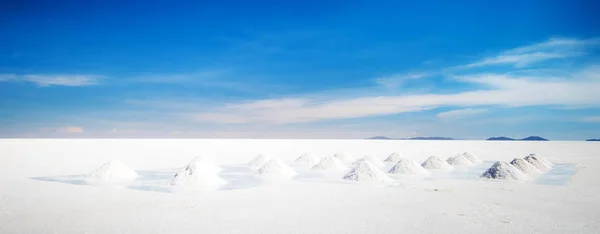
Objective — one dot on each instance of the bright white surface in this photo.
(442, 202)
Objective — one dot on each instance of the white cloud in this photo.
(591, 119)
(396, 80)
(461, 113)
(519, 60)
(48, 80)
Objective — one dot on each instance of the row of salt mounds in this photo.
(344, 158)
(373, 160)
(472, 158)
(459, 160)
(275, 169)
(393, 158)
(258, 162)
(539, 162)
(525, 167)
(199, 173)
(505, 171)
(330, 163)
(407, 166)
(436, 163)
(365, 171)
(111, 172)
(307, 159)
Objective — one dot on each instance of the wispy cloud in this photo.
(461, 113)
(590, 119)
(49, 80)
(397, 80)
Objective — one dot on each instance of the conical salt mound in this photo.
(539, 162)
(525, 167)
(258, 162)
(407, 166)
(111, 172)
(472, 158)
(436, 163)
(199, 173)
(366, 172)
(504, 171)
(459, 160)
(393, 158)
(344, 158)
(330, 163)
(307, 159)
(373, 160)
(276, 169)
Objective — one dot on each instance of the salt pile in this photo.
(539, 162)
(111, 172)
(199, 173)
(307, 159)
(276, 169)
(436, 163)
(366, 172)
(393, 158)
(472, 158)
(407, 166)
(525, 167)
(345, 159)
(330, 163)
(504, 171)
(258, 162)
(459, 160)
(373, 160)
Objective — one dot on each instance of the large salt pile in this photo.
(373, 160)
(393, 158)
(539, 162)
(407, 166)
(504, 171)
(344, 158)
(199, 173)
(365, 171)
(471, 157)
(307, 159)
(111, 172)
(459, 160)
(258, 162)
(276, 169)
(330, 163)
(436, 163)
(525, 167)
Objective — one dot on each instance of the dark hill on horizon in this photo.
(529, 138)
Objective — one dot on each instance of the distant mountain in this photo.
(500, 139)
(592, 140)
(430, 138)
(379, 138)
(534, 138)
(529, 138)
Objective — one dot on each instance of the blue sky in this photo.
(305, 69)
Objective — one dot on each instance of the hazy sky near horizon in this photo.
(303, 69)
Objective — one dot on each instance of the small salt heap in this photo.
(330, 163)
(504, 171)
(111, 172)
(258, 162)
(373, 160)
(459, 160)
(472, 158)
(436, 163)
(407, 166)
(201, 172)
(366, 172)
(393, 158)
(525, 167)
(344, 158)
(276, 169)
(307, 159)
(539, 162)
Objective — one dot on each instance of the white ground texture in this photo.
(526, 167)
(111, 172)
(307, 159)
(505, 171)
(459, 160)
(471, 157)
(276, 169)
(43, 189)
(259, 161)
(330, 163)
(436, 163)
(408, 166)
(393, 158)
(365, 171)
(200, 173)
